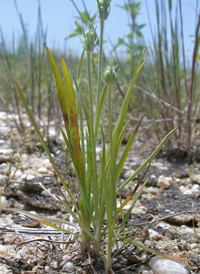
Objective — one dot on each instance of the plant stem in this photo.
(112, 199)
(92, 141)
(100, 61)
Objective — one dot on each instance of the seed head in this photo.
(103, 9)
(89, 40)
(111, 75)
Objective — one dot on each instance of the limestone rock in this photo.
(165, 182)
(163, 266)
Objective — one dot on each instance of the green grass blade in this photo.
(167, 137)
(41, 138)
(121, 136)
(61, 92)
(99, 110)
(130, 209)
(123, 111)
(80, 64)
(73, 119)
(127, 149)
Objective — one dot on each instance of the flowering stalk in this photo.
(110, 76)
(103, 7)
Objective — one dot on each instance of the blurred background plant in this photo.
(133, 42)
(27, 59)
(168, 87)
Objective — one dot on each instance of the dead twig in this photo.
(45, 240)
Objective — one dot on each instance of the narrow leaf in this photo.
(73, 119)
(99, 110)
(61, 92)
(42, 139)
(127, 149)
(167, 137)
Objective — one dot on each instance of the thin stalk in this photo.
(27, 53)
(183, 47)
(100, 61)
(92, 140)
(112, 182)
(111, 146)
(159, 31)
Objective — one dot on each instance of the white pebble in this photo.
(42, 170)
(33, 212)
(195, 188)
(68, 266)
(193, 246)
(6, 151)
(18, 173)
(22, 253)
(3, 177)
(182, 189)
(162, 225)
(26, 177)
(187, 192)
(163, 266)
(4, 202)
(153, 234)
(3, 250)
(189, 230)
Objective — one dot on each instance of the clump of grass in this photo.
(97, 185)
(171, 90)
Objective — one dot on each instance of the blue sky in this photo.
(59, 15)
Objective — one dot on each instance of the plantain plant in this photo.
(96, 206)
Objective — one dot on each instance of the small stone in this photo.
(3, 116)
(154, 235)
(183, 189)
(187, 192)
(54, 264)
(195, 188)
(25, 157)
(4, 269)
(46, 267)
(3, 177)
(195, 178)
(153, 190)
(194, 245)
(23, 252)
(163, 266)
(68, 266)
(26, 177)
(161, 224)
(9, 239)
(6, 151)
(4, 202)
(18, 174)
(165, 182)
(42, 170)
(3, 250)
(189, 230)
(147, 242)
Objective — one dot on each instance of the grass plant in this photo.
(96, 200)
